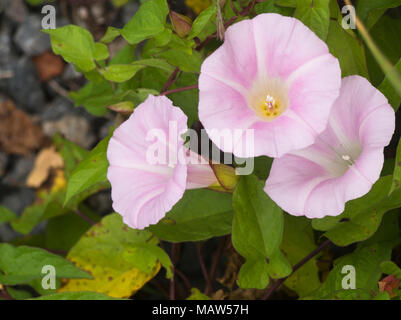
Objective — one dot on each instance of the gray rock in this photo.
(3, 163)
(73, 127)
(24, 87)
(6, 52)
(15, 10)
(70, 73)
(29, 37)
(21, 167)
(16, 199)
(57, 109)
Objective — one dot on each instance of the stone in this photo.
(6, 52)
(21, 167)
(73, 127)
(24, 87)
(70, 73)
(15, 10)
(57, 109)
(29, 37)
(16, 199)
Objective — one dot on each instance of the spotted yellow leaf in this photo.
(121, 260)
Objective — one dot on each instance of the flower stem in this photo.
(279, 282)
(165, 93)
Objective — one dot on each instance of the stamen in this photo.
(348, 159)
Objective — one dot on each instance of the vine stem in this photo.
(5, 295)
(84, 217)
(279, 282)
(203, 266)
(171, 80)
(174, 260)
(165, 93)
(215, 263)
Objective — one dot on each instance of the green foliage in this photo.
(84, 295)
(362, 216)
(257, 234)
(366, 259)
(347, 49)
(90, 174)
(6, 215)
(315, 14)
(120, 259)
(114, 261)
(148, 21)
(77, 46)
(197, 295)
(23, 264)
(298, 242)
(199, 215)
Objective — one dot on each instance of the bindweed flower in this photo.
(346, 159)
(272, 75)
(149, 166)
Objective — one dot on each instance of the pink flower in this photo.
(346, 159)
(272, 75)
(143, 190)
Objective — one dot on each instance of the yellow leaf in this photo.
(113, 282)
(121, 260)
(46, 160)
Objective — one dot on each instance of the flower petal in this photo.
(143, 192)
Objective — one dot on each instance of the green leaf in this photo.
(188, 99)
(397, 170)
(197, 295)
(23, 264)
(387, 35)
(271, 7)
(120, 72)
(71, 153)
(48, 206)
(111, 34)
(18, 294)
(257, 234)
(202, 20)
(156, 63)
(298, 242)
(186, 62)
(199, 215)
(64, 231)
(95, 97)
(75, 44)
(361, 216)
(254, 273)
(120, 259)
(366, 260)
(315, 14)
(6, 215)
(389, 267)
(90, 172)
(101, 51)
(348, 50)
(83, 295)
(148, 21)
(386, 87)
(364, 8)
